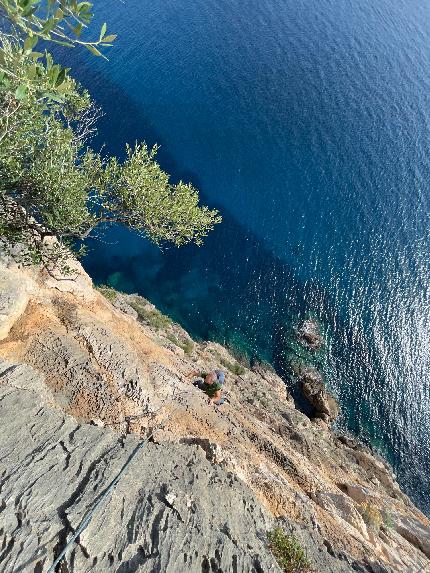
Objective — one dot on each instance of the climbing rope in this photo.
(86, 520)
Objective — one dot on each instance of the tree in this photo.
(54, 189)
(61, 21)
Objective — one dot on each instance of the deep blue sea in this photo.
(307, 123)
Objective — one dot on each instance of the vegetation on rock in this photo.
(150, 315)
(372, 516)
(108, 292)
(288, 552)
(234, 367)
(186, 344)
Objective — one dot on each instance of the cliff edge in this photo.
(84, 379)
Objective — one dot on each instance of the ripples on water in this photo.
(307, 123)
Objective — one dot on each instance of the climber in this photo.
(211, 383)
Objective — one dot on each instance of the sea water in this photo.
(307, 123)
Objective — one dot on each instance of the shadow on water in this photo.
(232, 290)
(235, 291)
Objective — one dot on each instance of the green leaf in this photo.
(78, 29)
(31, 71)
(54, 73)
(84, 6)
(110, 38)
(61, 43)
(21, 92)
(103, 30)
(30, 43)
(29, 11)
(48, 26)
(93, 50)
(54, 97)
(49, 61)
(61, 77)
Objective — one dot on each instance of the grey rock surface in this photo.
(14, 293)
(172, 511)
(415, 532)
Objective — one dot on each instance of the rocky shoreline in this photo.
(85, 375)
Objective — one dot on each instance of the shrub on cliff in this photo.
(151, 316)
(54, 189)
(371, 515)
(289, 554)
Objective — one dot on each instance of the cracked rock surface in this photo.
(172, 511)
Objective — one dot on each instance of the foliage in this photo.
(108, 292)
(54, 190)
(234, 367)
(138, 194)
(289, 554)
(371, 515)
(64, 22)
(151, 316)
(186, 344)
(52, 185)
(387, 519)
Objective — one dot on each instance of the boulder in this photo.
(14, 296)
(313, 388)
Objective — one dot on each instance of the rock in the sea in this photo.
(314, 390)
(309, 335)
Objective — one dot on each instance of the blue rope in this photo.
(100, 500)
(86, 520)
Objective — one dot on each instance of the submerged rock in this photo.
(309, 335)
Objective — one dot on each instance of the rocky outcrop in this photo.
(83, 380)
(14, 296)
(314, 390)
(415, 532)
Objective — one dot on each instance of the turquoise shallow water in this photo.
(307, 123)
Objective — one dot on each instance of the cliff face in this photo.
(83, 379)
